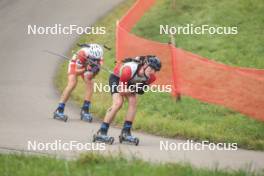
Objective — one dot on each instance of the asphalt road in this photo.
(28, 96)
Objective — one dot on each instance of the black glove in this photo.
(140, 92)
(140, 88)
(95, 69)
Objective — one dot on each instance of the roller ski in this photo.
(86, 116)
(126, 136)
(102, 137)
(59, 115)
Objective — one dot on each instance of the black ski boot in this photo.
(59, 115)
(86, 116)
(101, 136)
(126, 136)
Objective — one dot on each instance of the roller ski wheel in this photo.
(128, 138)
(60, 116)
(85, 116)
(103, 138)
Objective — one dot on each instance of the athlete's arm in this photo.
(125, 75)
(80, 62)
(151, 79)
(140, 89)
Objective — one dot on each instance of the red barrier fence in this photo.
(241, 89)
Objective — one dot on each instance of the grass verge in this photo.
(94, 164)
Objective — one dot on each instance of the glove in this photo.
(140, 88)
(140, 91)
(95, 69)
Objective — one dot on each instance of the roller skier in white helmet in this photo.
(85, 63)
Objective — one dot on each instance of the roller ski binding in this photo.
(126, 136)
(86, 116)
(59, 115)
(102, 137)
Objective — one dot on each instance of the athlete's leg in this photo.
(116, 106)
(111, 112)
(88, 79)
(72, 82)
(132, 107)
(117, 102)
(131, 112)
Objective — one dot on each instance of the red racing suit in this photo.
(128, 75)
(81, 60)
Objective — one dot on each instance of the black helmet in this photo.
(154, 62)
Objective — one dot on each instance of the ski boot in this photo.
(102, 137)
(59, 115)
(126, 136)
(86, 116)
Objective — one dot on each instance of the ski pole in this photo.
(65, 57)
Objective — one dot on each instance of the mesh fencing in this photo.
(238, 88)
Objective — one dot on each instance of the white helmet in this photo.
(95, 51)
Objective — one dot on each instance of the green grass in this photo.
(94, 164)
(158, 113)
(245, 49)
